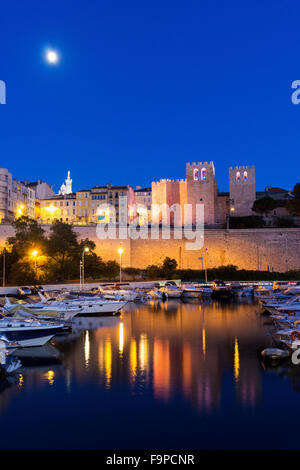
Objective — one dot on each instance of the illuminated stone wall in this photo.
(277, 249)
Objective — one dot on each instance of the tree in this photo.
(264, 205)
(169, 267)
(64, 250)
(293, 204)
(153, 272)
(20, 265)
(28, 236)
(112, 269)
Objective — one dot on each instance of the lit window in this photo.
(238, 176)
(196, 174)
(203, 174)
(245, 176)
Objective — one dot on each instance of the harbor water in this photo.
(163, 375)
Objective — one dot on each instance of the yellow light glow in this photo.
(20, 210)
(236, 360)
(34, 253)
(133, 357)
(203, 342)
(86, 249)
(50, 377)
(107, 361)
(51, 209)
(121, 338)
(143, 352)
(87, 349)
(232, 209)
(121, 250)
(21, 380)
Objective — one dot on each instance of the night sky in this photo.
(142, 87)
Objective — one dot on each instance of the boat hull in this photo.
(26, 337)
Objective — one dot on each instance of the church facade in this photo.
(200, 187)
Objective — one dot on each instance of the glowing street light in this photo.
(20, 210)
(120, 251)
(86, 250)
(34, 254)
(51, 209)
(3, 280)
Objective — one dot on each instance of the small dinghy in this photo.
(274, 355)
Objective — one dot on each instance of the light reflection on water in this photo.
(171, 365)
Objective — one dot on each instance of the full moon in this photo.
(52, 57)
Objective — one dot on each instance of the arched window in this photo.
(196, 174)
(203, 174)
(245, 176)
(238, 176)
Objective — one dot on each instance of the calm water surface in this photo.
(168, 375)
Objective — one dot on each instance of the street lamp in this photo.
(121, 251)
(86, 250)
(205, 263)
(3, 252)
(34, 255)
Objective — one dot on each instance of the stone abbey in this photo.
(200, 187)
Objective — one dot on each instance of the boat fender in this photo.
(294, 334)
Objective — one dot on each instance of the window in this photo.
(196, 174)
(238, 176)
(245, 176)
(203, 174)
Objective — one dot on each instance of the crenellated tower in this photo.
(242, 190)
(202, 189)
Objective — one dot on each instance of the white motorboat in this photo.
(191, 290)
(154, 294)
(70, 308)
(116, 293)
(23, 333)
(204, 288)
(291, 305)
(171, 291)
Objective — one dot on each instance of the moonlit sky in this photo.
(143, 87)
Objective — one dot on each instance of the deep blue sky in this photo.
(145, 86)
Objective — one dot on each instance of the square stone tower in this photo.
(242, 190)
(202, 189)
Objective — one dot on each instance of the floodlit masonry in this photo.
(200, 187)
(270, 249)
(116, 203)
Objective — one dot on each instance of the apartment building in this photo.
(107, 204)
(143, 201)
(16, 199)
(60, 207)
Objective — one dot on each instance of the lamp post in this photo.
(3, 253)
(86, 250)
(205, 264)
(34, 255)
(120, 251)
